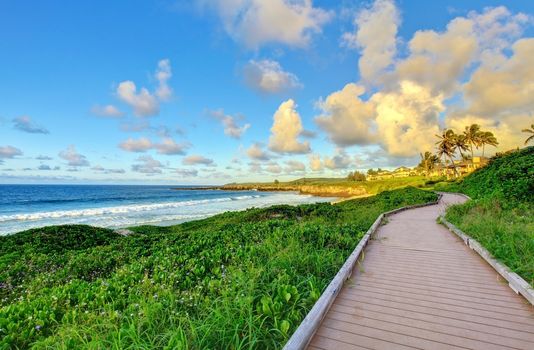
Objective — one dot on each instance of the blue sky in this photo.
(68, 111)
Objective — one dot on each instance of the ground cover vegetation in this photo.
(501, 214)
(238, 280)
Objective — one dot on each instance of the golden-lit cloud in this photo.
(346, 118)
(286, 129)
(477, 70)
(376, 37)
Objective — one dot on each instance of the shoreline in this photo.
(314, 190)
(192, 213)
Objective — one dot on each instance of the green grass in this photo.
(239, 280)
(371, 187)
(501, 214)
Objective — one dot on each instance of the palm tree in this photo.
(530, 131)
(428, 161)
(447, 146)
(487, 138)
(472, 137)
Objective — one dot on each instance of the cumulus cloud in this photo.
(143, 102)
(136, 145)
(346, 118)
(340, 160)
(254, 23)
(73, 158)
(197, 160)
(376, 36)
(273, 168)
(42, 157)
(293, 166)
(147, 165)
(9, 152)
(101, 169)
(26, 124)
(46, 167)
(499, 98)
(315, 162)
(230, 124)
(135, 126)
(256, 152)
(267, 76)
(286, 129)
(163, 74)
(187, 172)
(407, 120)
(108, 111)
(167, 146)
(476, 70)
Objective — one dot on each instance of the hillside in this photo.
(501, 214)
(331, 187)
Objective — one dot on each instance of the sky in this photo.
(218, 91)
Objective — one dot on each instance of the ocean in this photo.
(28, 206)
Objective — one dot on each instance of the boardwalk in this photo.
(420, 287)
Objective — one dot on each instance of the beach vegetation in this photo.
(238, 280)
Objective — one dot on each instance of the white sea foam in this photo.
(123, 209)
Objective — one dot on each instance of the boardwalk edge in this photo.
(307, 328)
(516, 283)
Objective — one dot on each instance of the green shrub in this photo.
(233, 281)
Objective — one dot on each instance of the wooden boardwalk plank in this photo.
(420, 287)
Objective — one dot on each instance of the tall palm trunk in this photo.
(454, 167)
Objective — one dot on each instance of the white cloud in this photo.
(26, 124)
(147, 165)
(41, 157)
(143, 103)
(340, 160)
(107, 111)
(437, 60)
(257, 22)
(230, 124)
(376, 37)
(473, 71)
(101, 169)
(163, 74)
(256, 152)
(267, 76)
(9, 152)
(293, 166)
(73, 158)
(273, 168)
(407, 120)
(315, 162)
(197, 160)
(169, 147)
(140, 145)
(46, 167)
(346, 118)
(286, 129)
(499, 98)
(187, 172)
(135, 126)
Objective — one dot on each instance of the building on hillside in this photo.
(402, 172)
(380, 175)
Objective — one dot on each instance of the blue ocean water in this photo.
(29, 206)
